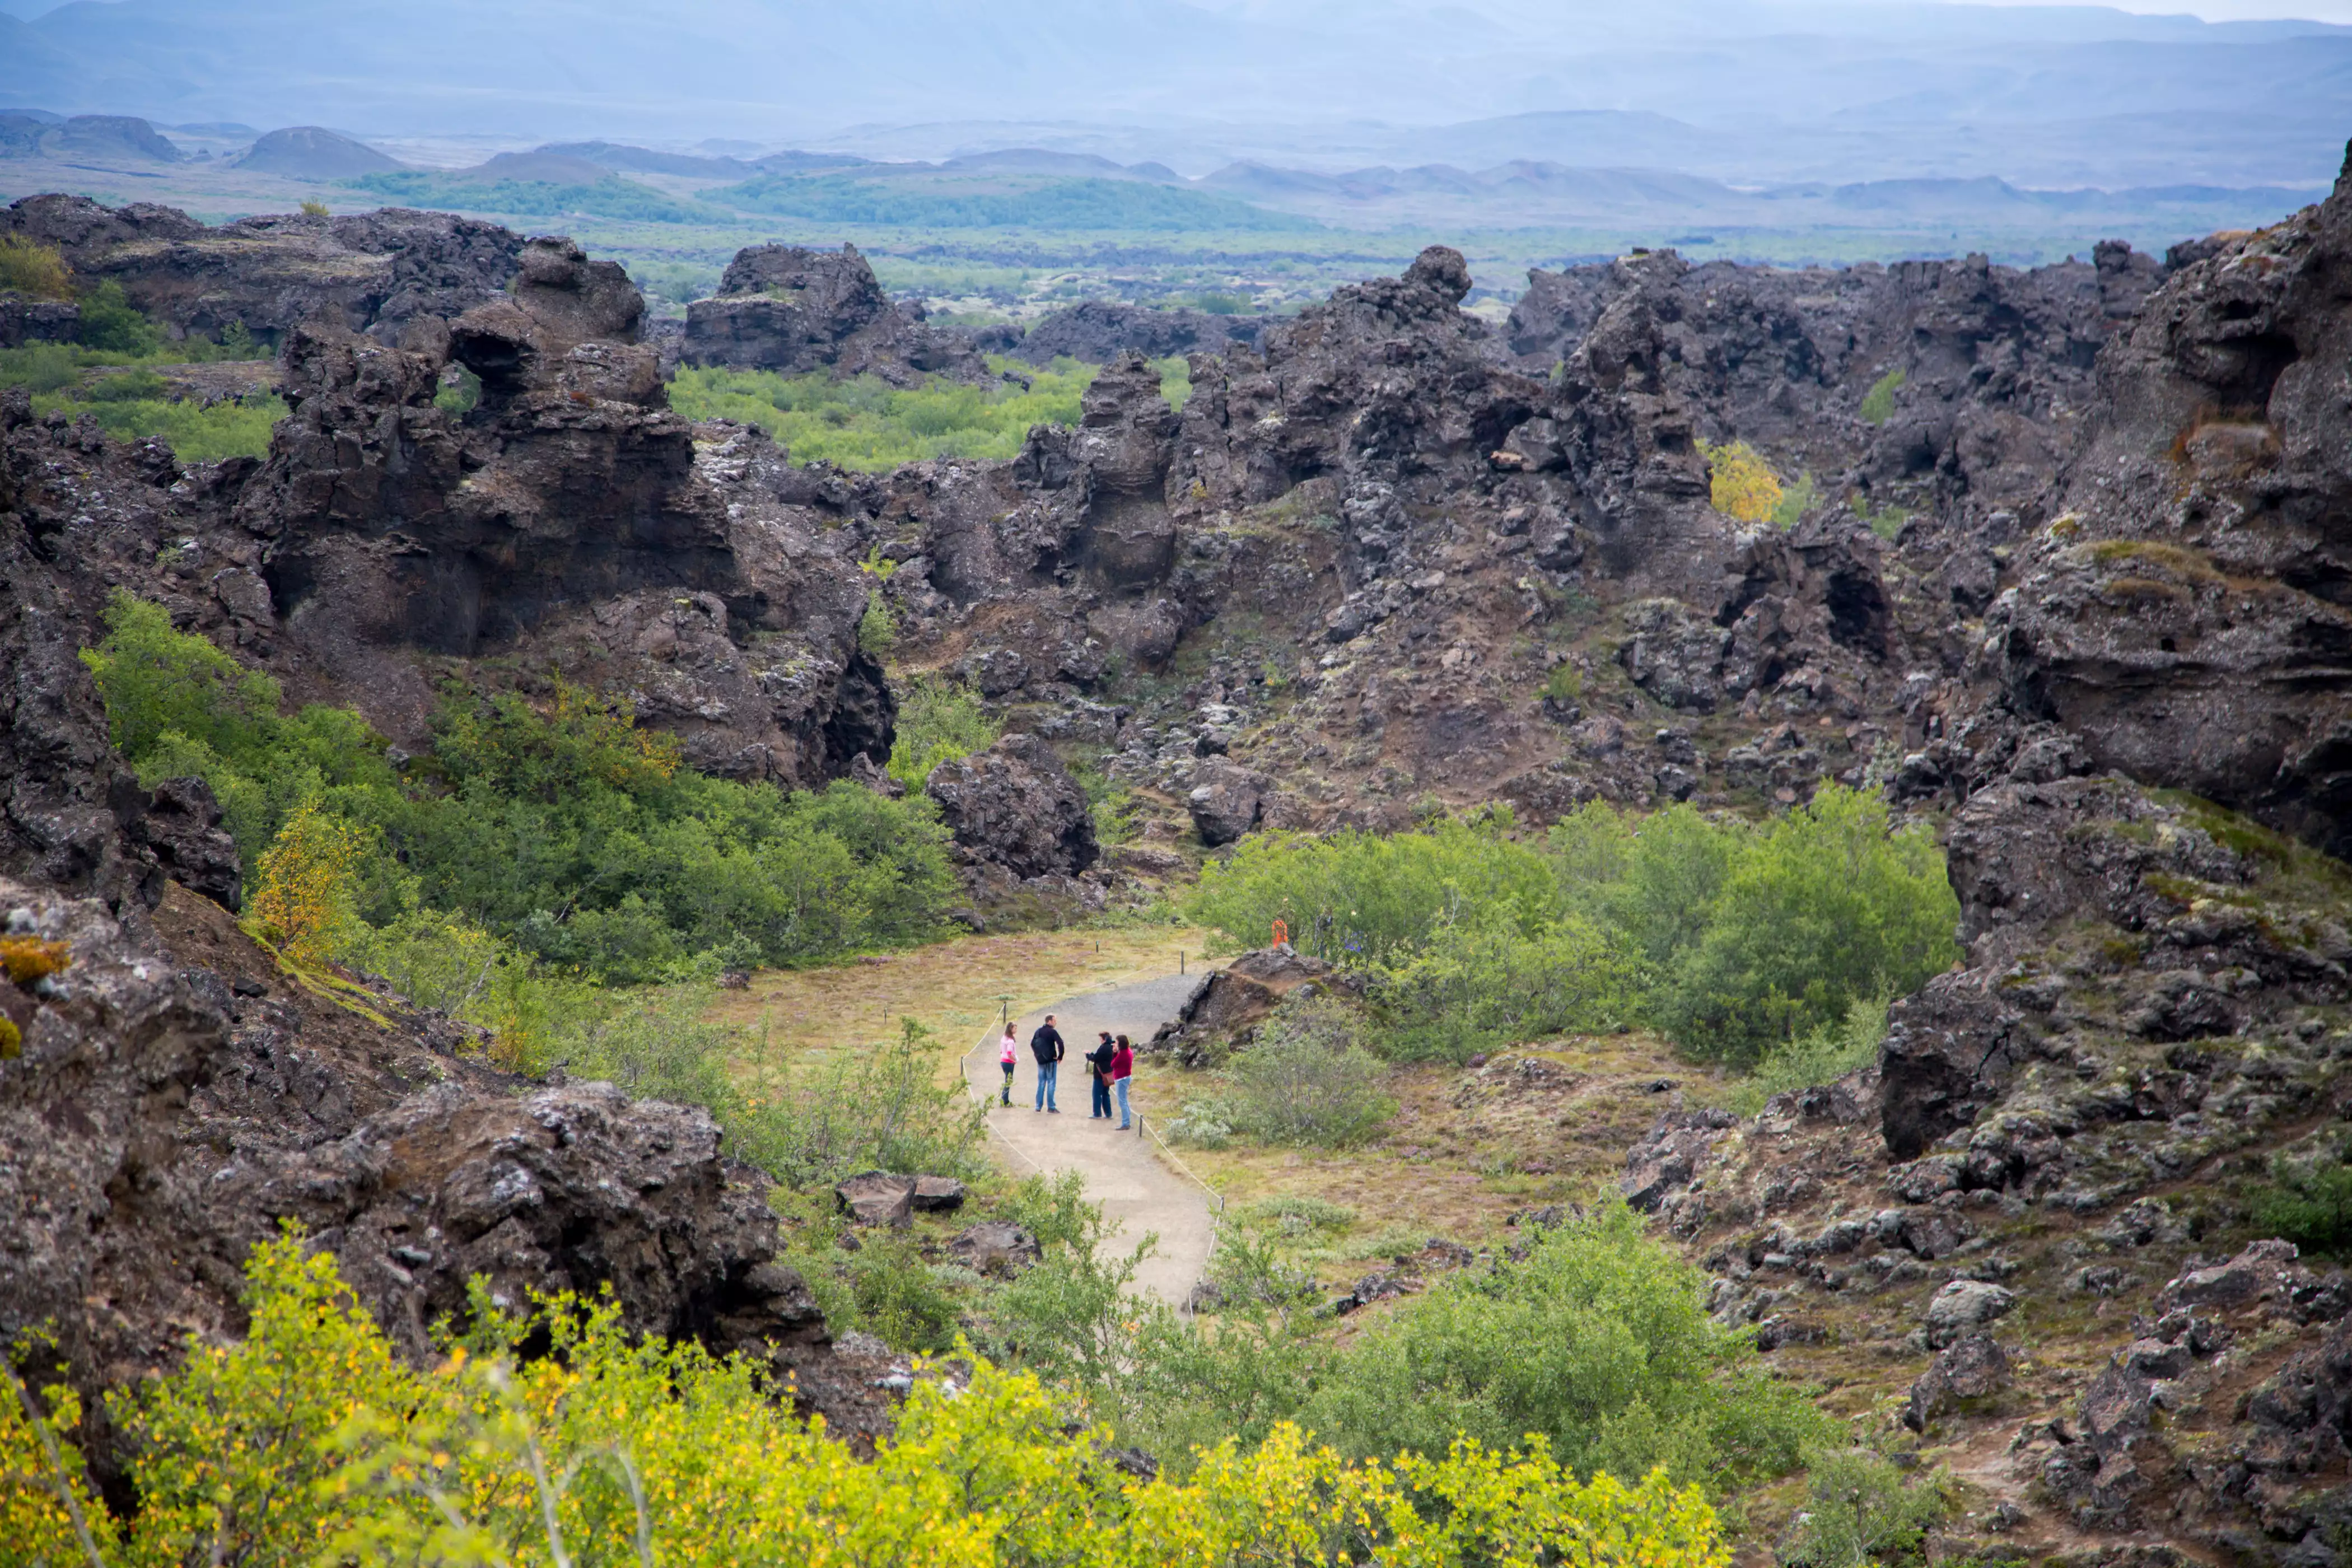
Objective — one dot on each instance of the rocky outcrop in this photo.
(26, 320)
(1225, 1008)
(1016, 805)
(1101, 330)
(1982, 371)
(176, 1099)
(65, 797)
(2141, 1452)
(372, 272)
(182, 826)
(1671, 1156)
(569, 510)
(2183, 609)
(1227, 801)
(797, 312)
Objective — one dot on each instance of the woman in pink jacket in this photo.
(1122, 1068)
(1008, 1052)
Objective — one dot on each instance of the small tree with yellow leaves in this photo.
(1740, 483)
(306, 900)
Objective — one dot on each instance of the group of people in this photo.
(1109, 1065)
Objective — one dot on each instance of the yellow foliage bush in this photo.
(306, 900)
(36, 269)
(311, 1442)
(26, 959)
(1740, 483)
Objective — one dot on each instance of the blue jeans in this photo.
(1124, 1120)
(1046, 1074)
(1102, 1096)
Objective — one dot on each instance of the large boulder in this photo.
(796, 311)
(1016, 805)
(1228, 800)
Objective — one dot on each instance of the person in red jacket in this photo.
(1122, 1068)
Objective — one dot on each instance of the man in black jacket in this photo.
(1046, 1045)
(1098, 1073)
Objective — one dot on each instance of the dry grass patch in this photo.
(953, 988)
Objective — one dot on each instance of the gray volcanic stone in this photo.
(1964, 1305)
(1016, 805)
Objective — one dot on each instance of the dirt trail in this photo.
(1123, 1171)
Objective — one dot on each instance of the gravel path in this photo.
(1123, 1171)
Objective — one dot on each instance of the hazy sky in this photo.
(2210, 10)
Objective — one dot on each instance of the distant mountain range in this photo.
(1745, 91)
(1042, 188)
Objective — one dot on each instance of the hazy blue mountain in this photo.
(1730, 90)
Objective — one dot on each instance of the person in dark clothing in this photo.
(1046, 1045)
(1098, 1071)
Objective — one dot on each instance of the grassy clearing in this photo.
(864, 423)
(135, 400)
(951, 988)
(1468, 1148)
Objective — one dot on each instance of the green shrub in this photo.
(1564, 683)
(1656, 879)
(1599, 1341)
(1729, 936)
(2310, 1203)
(110, 322)
(239, 428)
(1362, 896)
(309, 1441)
(562, 828)
(877, 633)
(1860, 1510)
(1823, 1056)
(1795, 502)
(143, 386)
(1827, 908)
(1470, 989)
(1878, 403)
(939, 722)
(1306, 1081)
(865, 423)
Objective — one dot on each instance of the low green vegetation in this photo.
(1062, 203)
(1733, 938)
(611, 197)
(558, 826)
(939, 722)
(1307, 1079)
(1597, 1342)
(1878, 403)
(1824, 1054)
(865, 423)
(310, 1440)
(2309, 1201)
(129, 400)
